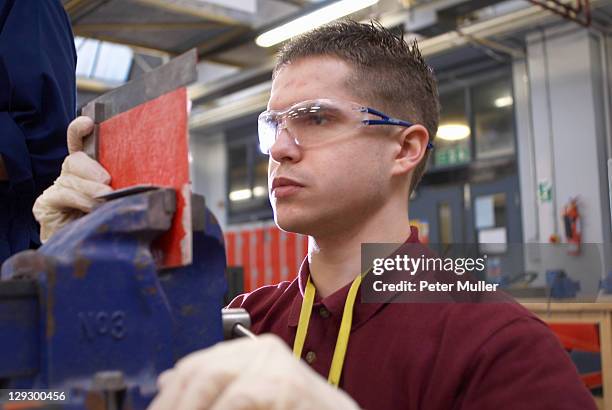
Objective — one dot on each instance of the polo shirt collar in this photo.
(334, 303)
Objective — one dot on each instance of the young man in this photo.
(345, 182)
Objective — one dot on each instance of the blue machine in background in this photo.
(561, 286)
(90, 314)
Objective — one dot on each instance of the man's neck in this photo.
(335, 260)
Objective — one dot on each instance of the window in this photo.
(453, 138)
(476, 121)
(102, 61)
(239, 187)
(260, 185)
(493, 119)
(491, 222)
(247, 195)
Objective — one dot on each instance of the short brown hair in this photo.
(388, 71)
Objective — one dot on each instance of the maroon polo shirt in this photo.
(427, 356)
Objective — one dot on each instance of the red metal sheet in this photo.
(245, 252)
(304, 241)
(274, 234)
(260, 263)
(592, 380)
(149, 145)
(290, 256)
(582, 336)
(230, 248)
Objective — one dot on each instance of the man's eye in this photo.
(317, 119)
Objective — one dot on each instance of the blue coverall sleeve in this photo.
(37, 102)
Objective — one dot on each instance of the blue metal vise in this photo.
(90, 314)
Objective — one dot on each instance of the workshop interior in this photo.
(521, 170)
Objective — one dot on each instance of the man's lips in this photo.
(283, 187)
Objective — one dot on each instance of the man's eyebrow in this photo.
(327, 106)
(322, 103)
(278, 107)
(315, 103)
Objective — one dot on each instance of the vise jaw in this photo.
(92, 315)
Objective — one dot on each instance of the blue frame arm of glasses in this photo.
(386, 120)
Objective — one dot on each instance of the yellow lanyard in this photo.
(343, 335)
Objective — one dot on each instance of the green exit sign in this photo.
(545, 191)
(453, 155)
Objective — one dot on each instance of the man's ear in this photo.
(412, 147)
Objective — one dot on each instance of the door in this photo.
(440, 212)
(494, 222)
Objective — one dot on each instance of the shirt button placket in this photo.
(323, 312)
(311, 357)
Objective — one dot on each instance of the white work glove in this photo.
(72, 194)
(246, 374)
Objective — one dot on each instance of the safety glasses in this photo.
(313, 122)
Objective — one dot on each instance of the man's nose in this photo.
(285, 148)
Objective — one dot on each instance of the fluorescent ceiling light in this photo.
(240, 195)
(453, 132)
(503, 101)
(311, 20)
(260, 191)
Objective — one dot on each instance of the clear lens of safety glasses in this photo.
(310, 122)
(266, 129)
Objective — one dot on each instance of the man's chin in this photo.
(293, 224)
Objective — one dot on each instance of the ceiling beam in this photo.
(202, 25)
(226, 61)
(234, 109)
(73, 5)
(221, 40)
(77, 9)
(299, 3)
(522, 18)
(137, 47)
(94, 86)
(249, 36)
(195, 8)
(201, 93)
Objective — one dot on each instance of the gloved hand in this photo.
(72, 194)
(246, 374)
